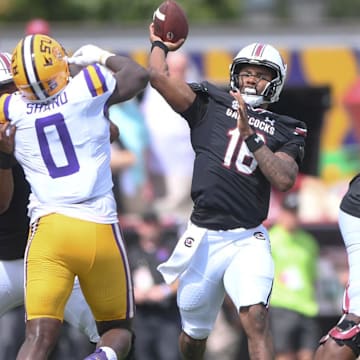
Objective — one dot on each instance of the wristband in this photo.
(104, 56)
(161, 45)
(254, 142)
(7, 161)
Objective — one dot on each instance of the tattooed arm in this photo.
(279, 168)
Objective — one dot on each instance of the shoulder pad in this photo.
(198, 87)
(298, 126)
(4, 108)
(211, 90)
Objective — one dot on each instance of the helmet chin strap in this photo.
(250, 97)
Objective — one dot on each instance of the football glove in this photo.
(89, 54)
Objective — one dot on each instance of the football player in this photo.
(343, 341)
(62, 143)
(241, 151)
(14, 226)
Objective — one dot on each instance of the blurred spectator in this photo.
(351, 103)
(318, 201)
(157, 322)
(121, 159)
(12, 330)
(132, 182)
(37, 26)
(293, 305)
(226, 338)
(171, 155)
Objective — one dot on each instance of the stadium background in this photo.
(323, 62)
(317, 56)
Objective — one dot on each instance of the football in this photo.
(170, 22)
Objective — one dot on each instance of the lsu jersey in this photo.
(64, 147)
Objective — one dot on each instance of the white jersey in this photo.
(64, 148)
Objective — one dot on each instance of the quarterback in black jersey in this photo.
(242, 150)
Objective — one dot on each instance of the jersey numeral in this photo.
(44, 124)
(238, 155)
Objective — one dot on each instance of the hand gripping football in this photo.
(170, 22)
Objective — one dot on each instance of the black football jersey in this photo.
(14, 223)
(350, 203)
(228, 189)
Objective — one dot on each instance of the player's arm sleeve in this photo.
(197, 110)
(294, 150)
(295, 147)
(100, 83)
(99, 80)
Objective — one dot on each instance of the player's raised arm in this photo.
(131, 77)
(176, 92)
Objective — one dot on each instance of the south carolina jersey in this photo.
(350, 203)
(64, 147)
(229, 190)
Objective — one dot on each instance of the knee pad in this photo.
(197, 315)
(346, 332)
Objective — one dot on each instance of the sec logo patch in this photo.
(259, 235)
(189, 241)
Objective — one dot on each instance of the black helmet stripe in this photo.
(29, 62)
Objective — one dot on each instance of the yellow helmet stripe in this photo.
(95, 80)
(29, 61)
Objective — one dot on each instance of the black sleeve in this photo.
(295, 150)
(197, 110)
(297, 132)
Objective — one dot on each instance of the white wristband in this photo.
(104, 56)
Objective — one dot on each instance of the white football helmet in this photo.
(265, 55)
(5, 68)
(7, 85)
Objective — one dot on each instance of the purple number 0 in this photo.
(56, 120)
